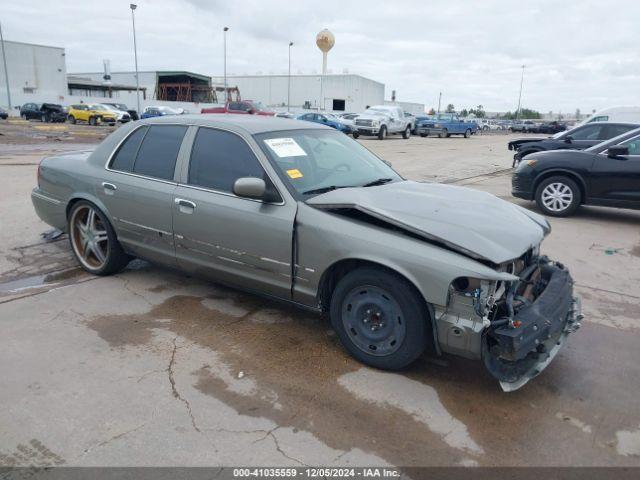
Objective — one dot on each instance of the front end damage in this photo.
(516, 327)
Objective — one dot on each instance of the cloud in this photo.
(577, 54)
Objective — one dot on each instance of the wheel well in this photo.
(562, 173)
(338, 270)
(70, 205)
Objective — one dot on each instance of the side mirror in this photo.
(568, 139)
(617, 151)
(324, 120)
(250, 187)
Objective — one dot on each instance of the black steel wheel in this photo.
(380, 318)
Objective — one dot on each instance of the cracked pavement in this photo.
(151, 367)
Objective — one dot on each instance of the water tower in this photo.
(325, 42)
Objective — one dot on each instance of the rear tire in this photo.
(93, 121)
(558, 196)
(382, 133)
(407, 132)
(380, 318)
(93, 240)
(72, 119)
(444, 133)
(355, 134)
(467, 133)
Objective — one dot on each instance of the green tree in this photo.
(464, 112)
(450, 108)
(480, 113)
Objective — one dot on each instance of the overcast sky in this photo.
(578, 53)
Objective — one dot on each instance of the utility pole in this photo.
(439, 101)
(133, 6)
(520, 96)
(6, 72)
(289, 81)
(226, 91)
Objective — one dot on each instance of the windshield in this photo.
(310, 160)
(376, 111)
(99, 108)
(259, 106)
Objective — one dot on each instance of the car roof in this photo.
(251, 124)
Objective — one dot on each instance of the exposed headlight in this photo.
(437, 125)
(375, 123)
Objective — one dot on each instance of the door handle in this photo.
(109, 188)
(185, 206)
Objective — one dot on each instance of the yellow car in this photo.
(93, 114)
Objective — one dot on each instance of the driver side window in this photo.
(633, 144)
(589, 132)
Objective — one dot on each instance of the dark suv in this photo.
(578, 138)
(45, 112)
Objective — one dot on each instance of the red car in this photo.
(246, 107)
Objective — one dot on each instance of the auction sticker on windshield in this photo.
(285, 147)
(294, 173)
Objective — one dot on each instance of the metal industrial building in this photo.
(37, 73)
(342, 93)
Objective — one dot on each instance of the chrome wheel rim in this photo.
(373, 320)
(557, 197)
(89, 238)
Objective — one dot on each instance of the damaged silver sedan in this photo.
(302, 213)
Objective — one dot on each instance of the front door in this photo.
(618, 178)
(235, 240)
(138, 190)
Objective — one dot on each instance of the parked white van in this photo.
(616, 114)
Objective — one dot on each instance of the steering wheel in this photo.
(344, 166)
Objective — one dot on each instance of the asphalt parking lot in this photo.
(150, 367)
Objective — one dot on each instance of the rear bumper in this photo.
(50, 210)
(518, 354)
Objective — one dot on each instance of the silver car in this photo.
(300, 212)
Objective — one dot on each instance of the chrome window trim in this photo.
(256, 154)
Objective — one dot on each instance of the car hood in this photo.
(471, 222)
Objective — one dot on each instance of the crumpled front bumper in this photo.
(543, 328)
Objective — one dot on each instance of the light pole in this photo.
(289, 81)
(520, 96)
(226, 92)
(133, 6)
(439, 101)
(6, 72)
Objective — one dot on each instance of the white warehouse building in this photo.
(342, 93)
(37, 73)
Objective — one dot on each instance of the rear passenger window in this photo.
(126, 155)
(615, 130)
(159, 150)
(219, 158)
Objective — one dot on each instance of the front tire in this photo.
(355, 134)
(72, 119)
(93, 240)
(382, 133)
(380, 318)
(93, 121)
(558, 196)
(467, 133)
(407, 132)
(444, 133)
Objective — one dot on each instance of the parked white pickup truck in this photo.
(382, 120)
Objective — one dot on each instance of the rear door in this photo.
(138, 190)
(618, 178)
(236, 240)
